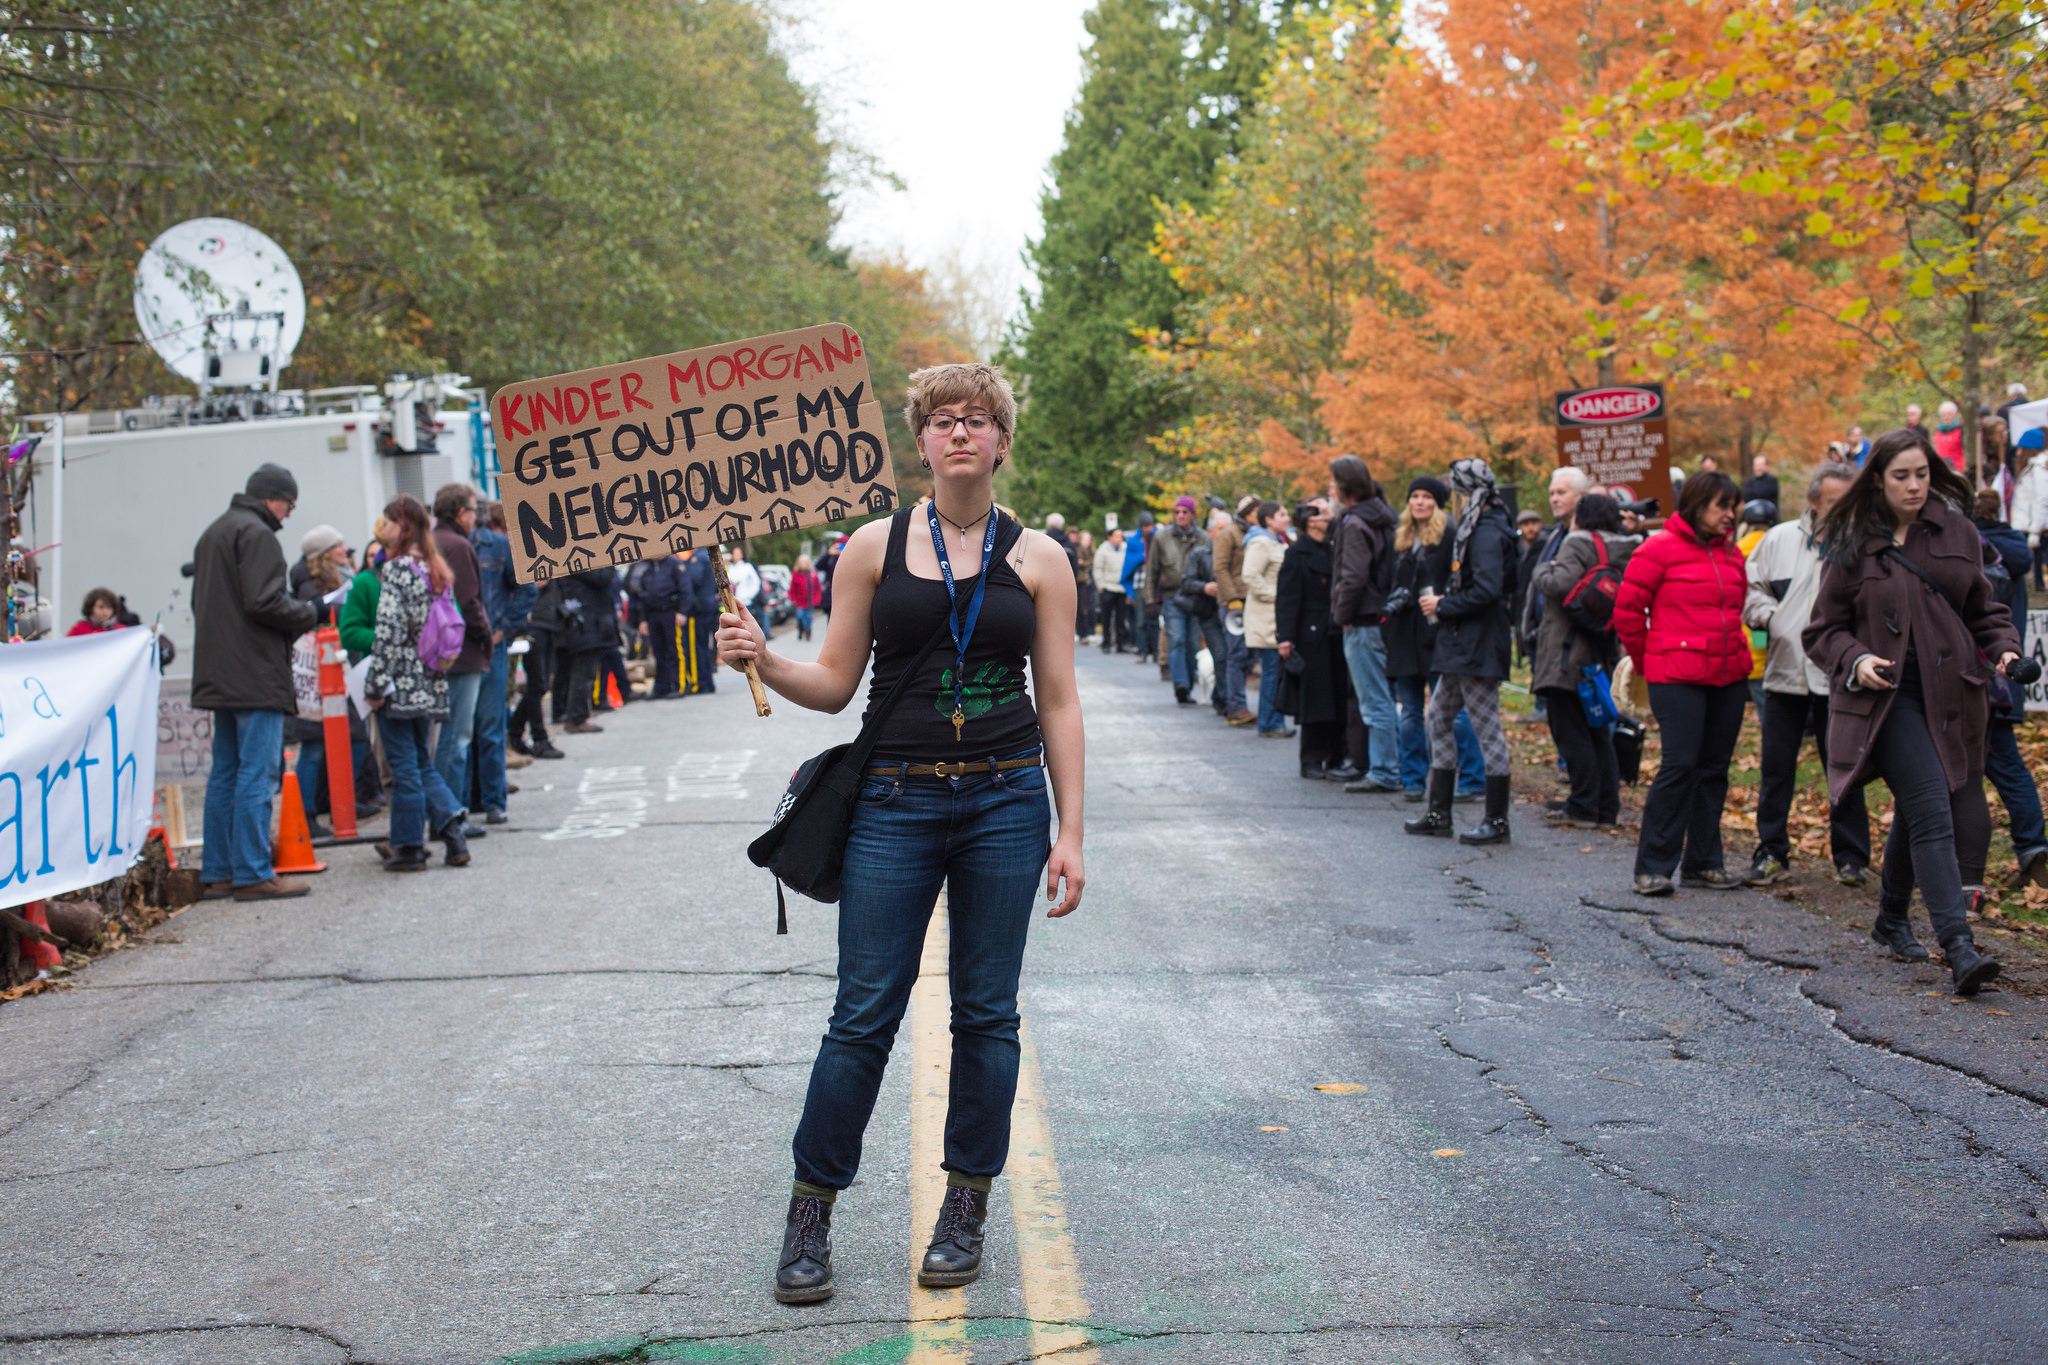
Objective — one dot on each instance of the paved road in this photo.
(539, 1110)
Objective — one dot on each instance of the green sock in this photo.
(970, 1182)
(798, 1189)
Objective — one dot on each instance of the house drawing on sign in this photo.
(877, 498)
(578, 559)
(680, 539)
(783, 515)
(544, 569)
(624, 549)
(834, 509)
(730, 526)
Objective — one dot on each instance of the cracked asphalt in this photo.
(539, 1109)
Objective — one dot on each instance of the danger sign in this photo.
(1618, 434)
(659, 456)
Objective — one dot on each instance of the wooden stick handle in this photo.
(728, 602)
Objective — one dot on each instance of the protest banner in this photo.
(77, 760)
(2037, 649)
(703, 447)
(1619, 434)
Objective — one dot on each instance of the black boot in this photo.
(1971, 970)
(804, 1274)
(1180, 694)
(455, 841)
(1436, 821)
(954, 1256)
(412, 859)
(1494, 828)
(1893, 931)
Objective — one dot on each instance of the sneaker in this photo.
(1344, 772)
(495, 817)
(1850, 874)
(276, 889)
(1764, 869)
(1650, 884)
(1469, 795)
(1411, 794)
(518, 760)
(1241, 716)
(586, 728)
(546, 750)
(1371, 784)
(1713, 879)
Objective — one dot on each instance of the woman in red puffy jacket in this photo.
(1679, 616)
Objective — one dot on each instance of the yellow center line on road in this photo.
(1048, 1269)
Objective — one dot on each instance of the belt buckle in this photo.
(959, 769)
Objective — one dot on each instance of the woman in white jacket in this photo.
(1265, 545)
(2030, 494)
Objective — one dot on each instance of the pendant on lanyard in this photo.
(961, 634)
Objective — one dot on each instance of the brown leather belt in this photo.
(953, 769)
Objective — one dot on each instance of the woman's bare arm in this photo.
(1051, 580)
(829, 683)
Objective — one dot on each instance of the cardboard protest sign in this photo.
(663, 455)
(1618, 434)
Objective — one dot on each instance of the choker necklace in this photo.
(956, 525)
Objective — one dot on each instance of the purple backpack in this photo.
(441, 634)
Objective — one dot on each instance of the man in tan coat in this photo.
(1226, 534)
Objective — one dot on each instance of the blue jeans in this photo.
(1270, 718)
(803, 619)
(1408, 692)
(420, 799)
(1183, 640)
(1231, 668)
(312, 771)
(986, 838)
(2015, 785)
(1365, 654)
(248, 764)
(451, 754)
(490, 733)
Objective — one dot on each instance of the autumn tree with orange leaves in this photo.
(1521, 270)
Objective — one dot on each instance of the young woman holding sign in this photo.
(955, 794)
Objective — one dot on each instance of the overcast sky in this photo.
(963, 100)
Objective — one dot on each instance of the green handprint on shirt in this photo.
(987, 687)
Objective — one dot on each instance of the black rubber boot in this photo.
(1970, 969)
(1494, 828)
(1894, 932)
(1436, 821)
(455, 841)
(804, 1274)
(954, 1257)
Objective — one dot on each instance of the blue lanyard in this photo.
(962, 634)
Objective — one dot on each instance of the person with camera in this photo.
(1566, 647)
(1784, 577)
(1907, 630)
(953, 599)
(1679, 616)
(1473, 653)
(1422, 562)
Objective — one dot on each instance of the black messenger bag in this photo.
(805, 843)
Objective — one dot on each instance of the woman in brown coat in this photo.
(1903, 627)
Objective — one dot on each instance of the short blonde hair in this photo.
(933, 388)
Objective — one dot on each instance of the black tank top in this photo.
(908, 610)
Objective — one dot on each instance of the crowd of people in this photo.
(458, 669)
(1886, 622)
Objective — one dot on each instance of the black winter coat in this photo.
(1199, 570)
(1301, 615)
(244, 614)
(1409, 636)
(590, 612)
(1362, 562)
(1473, 636)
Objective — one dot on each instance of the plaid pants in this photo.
(1479, 698)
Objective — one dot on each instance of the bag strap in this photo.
(1599, 548)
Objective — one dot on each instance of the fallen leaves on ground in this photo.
(1342, 1088)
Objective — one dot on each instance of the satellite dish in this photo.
(221, 303)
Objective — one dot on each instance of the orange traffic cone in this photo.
(611, 690)
(294, 851)
(39, 955)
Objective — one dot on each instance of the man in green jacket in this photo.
(245, 622)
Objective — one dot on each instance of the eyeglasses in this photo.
(978, 423)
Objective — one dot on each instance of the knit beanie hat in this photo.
(273, 481)
(1435, 487)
